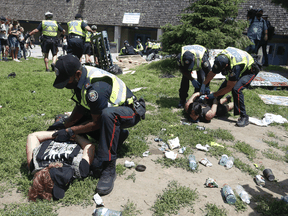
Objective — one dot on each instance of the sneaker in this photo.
(181, 104)
(16, 60)
(106, 182)
(47, 70)
(243, 121)
(53, 66)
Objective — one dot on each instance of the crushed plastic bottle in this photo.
(192, 162)
(106, 212)
(243, 194)
(229, 163)
(228, 193)
(223, 160)
(285, 198)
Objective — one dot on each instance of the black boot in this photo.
(243, 121)
(106, 182)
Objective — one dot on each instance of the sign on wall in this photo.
(131, 18)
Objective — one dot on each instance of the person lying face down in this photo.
(204, 110)
(56, 164)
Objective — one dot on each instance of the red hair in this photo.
(42, 183)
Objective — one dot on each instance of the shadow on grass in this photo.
(25, 172)
(165, 102)
(167, 66)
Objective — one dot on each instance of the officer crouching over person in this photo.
(129, 50)
(49, 29)
(76, 36)
(240, 69)
(109, 106)
(192, 57)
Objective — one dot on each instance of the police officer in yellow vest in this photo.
(76, 35)
(111, 107)
(49, 29)
(240, 69)
(192, 57)
(148, 46)
(87, 46)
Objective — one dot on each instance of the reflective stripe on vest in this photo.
(75, 28)
(139, 47)
(118, 94)
(237, 57)
(49, 28)
(88, 36)
(148, 44)
(198, 52)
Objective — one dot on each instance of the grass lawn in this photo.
(30, 102)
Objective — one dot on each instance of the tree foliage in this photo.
(211, 23)
(284, 3)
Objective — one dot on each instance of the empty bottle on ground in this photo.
(243, 194)
(229, 162)
(228, 194)
(192, 162)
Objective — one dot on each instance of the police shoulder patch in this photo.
(92, 96)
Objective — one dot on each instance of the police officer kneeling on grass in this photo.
(111, 107)
(192, 57)
(76, 35)
(49, 29)
(240, 69)
(129, 50)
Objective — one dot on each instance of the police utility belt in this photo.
(75, 36)
(138, 106)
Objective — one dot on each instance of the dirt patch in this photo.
(155, 179)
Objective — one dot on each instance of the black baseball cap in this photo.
(78, 16)
(65, 67)
(220, 63)
(61, 177)
(189, 59)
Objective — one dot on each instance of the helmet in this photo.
(94, 27)
(49, 15)
(138, 40)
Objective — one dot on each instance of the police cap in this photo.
(188, 59)
(94, 27)
(78, 16)
(65, 67)
(220, 63)
(49, 14)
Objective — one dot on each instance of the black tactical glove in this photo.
(61, 135)
(26, 36)
(56, 126)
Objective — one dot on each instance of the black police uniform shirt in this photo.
(60, 29)
(98, 95)
(234, 74)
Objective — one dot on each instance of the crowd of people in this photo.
(12, 41)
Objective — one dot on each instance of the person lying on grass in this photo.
(200, 109)
(56, 164)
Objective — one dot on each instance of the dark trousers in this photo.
(184, 86)
(253, 48)
(113, 119)
(238, 97)
(264, 51)
(75, 47)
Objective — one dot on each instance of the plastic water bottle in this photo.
(243, 194)
(285, 198)
(229, 163)
(192, 162)
(223, 160)
(106, 212)
(228, 193)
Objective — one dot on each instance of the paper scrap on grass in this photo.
(171, 155)
(125, 72)
(98, 200)
(268, 119)
(274, 99)
(138, 89)
(174, 143)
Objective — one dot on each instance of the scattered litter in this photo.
(268, 174)
(284, 198)
(223, 160)
(157, 139)
(268, 119)
(192, 162)
(146, 154)
(185, 123)
(255, 165)
(229, 163)
(138, 89)
(106, 211)
(140, 168)
(13, 74)
(0, 106)
(204, 148)
(205, 162)
(211, 183)
(129, 164)
(33, 92)
(98, 200)
(259, 180)
(243, 194)
(216, 144)
(164, 147)
(274, 99)
(228, 193)
(205, 132)
(171, 155)
(133, 72)
(181, 150)
(174, 143)
(43, 114)
(68, 113)
(200, 127)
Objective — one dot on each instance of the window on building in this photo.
(281, 50)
